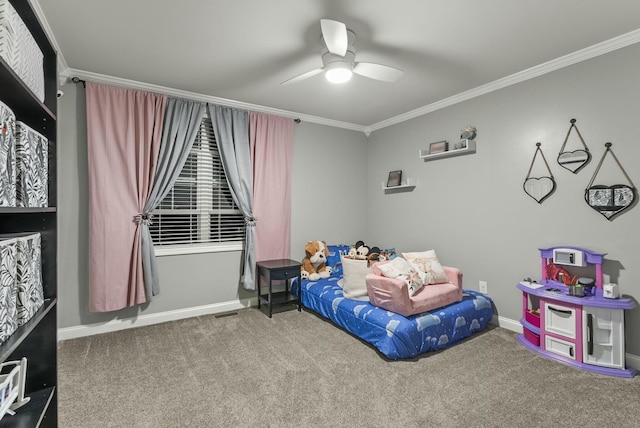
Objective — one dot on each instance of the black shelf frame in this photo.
(13, 342)
(37, 339)
(36, 413)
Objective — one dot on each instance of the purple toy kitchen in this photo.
(571, 316)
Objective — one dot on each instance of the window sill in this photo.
(178, 250)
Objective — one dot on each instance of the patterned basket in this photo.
(30, 293)
(32, 167)
(7, 157)
(8, 46)
(30, 66)
(8, 288)
(19, 49)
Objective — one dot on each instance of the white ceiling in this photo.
(240, 50)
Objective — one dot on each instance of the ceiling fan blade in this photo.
(302, 76)
(335, 36)
(377, 71)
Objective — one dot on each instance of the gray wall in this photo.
(205, 279)
(472, 209)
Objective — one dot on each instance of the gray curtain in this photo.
(181, 122)
(231, 127)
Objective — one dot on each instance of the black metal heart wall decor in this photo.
(539, 188)
(611, 201)
(574, 161)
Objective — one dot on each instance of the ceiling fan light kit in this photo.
(339, 58)
(337, 72)
(338, 69)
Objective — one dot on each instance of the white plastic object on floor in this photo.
(12, 387)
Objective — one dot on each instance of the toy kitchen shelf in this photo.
(407, 186)
(471, 148)
(584, 332)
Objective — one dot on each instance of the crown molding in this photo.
(178, 93)
(607, 46)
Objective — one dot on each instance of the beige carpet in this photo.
(297, 370)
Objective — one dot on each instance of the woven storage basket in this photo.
(7, 157)
(30, 293)
(32, 167)
(20, 51)
(8, 46)
(30, 67)
(8, 288)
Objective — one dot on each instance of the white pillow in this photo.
(405, 270)
(427, 262)
(354, 284)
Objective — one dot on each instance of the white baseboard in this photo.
(509, 324)
(157, 318)
(633, 361)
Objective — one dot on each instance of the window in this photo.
(199, 212)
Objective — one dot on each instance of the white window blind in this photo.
(199, 210)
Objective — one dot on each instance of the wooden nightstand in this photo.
(281, 269)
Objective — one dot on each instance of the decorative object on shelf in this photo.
(462, 144)
(395, 178)
(539, 188)
(610, 201)
(576, 160)
(468, 132)
(12, 386)
(438, 147)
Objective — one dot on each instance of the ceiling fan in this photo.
(338, 58)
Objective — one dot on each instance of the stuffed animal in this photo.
(314, 265)
(362, 251)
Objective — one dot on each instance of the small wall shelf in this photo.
(407, 186)
(471, 148)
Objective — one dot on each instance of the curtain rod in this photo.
(77, 80)
(84, 84)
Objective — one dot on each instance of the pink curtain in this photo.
(271, 139)
(124, 130)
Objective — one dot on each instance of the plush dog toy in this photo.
(314, 265)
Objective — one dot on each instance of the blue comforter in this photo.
(396, 336)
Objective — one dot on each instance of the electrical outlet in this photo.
(482, 286)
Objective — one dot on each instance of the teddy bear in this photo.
(314, 265)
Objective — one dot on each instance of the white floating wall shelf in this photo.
(471, 148)
(406, 186)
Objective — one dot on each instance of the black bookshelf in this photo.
(36, 340)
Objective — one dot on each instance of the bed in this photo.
(395, 336)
